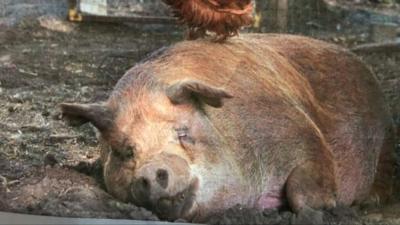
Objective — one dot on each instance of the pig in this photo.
(263, 120)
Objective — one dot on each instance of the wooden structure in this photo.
(96, 11)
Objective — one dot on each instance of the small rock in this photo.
(12, 108)
(45, 113)
(55, 24)
(3, 181)
(56, 115)
(374, 216)
(3, 205)
(17, 137)
(50, 159)
(89, 155)
(39, 121)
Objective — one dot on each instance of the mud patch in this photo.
(239, 215)
(65, 192)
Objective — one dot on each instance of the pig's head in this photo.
(158, 147)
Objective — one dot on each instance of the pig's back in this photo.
(353, 115)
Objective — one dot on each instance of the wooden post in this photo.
(73, 11)
(282, 15)
(272, 15)
(94, 7)
(96, 11)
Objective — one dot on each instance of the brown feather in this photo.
(223, 17)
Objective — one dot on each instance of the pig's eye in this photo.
(129, 152)
(183, 136)
(124, 152)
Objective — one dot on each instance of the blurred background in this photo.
(53, 51)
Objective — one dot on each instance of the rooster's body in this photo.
(223, 17)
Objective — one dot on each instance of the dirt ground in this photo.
(40, 68)
(49, 168)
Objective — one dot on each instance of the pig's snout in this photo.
(165, 187)
(150, 183)
(161, 180)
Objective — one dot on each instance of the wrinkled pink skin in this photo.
(298, 105)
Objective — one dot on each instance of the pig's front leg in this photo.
(310, 188)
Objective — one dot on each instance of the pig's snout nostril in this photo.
(141, 191)
(143, 184)
(165, 203)
(162, 178)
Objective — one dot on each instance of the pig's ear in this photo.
(183, 92)
(77, 114)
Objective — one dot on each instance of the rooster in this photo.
(223, 17)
